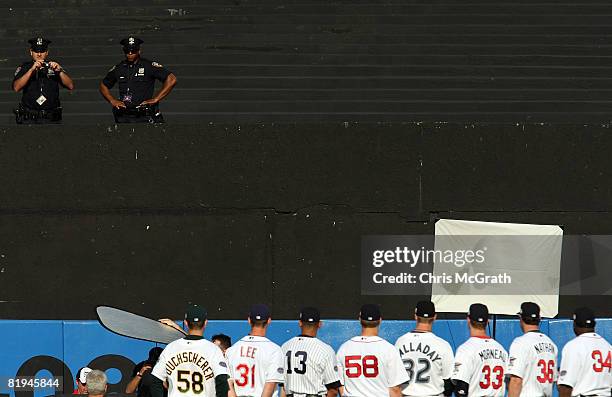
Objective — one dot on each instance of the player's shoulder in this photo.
(151, 63)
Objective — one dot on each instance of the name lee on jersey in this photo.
(190, 357)
(420, 347)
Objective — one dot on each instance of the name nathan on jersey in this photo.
(422, 348)
(193, 358)
(543, 347)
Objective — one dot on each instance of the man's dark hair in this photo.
(195, 324)
(224, 340)
(531, 321)
(259, 323)
(369, 324)
(478, 325)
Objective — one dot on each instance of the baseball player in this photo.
(310, 365)
(585, 360)
(480, 363)
(255, 362)
(533, 357)
(370, 366)
(191, 366)
(428, 358)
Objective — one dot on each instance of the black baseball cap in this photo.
(259, 311)
(479, 313)
(131, 43)
(195, 313)
(529, 310)
(39, 44)
(584, 317)
(370, 312)
(310, 315)
(425, 309)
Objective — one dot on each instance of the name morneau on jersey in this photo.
(190, 366)
(253, 362)
(481, 363)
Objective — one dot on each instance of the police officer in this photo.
(39, 80)
(136, 77)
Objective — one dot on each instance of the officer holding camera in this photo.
(136, 77)
(40, 79)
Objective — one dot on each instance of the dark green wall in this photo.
(146, 218)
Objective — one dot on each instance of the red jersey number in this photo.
(358, 365)
(600, 364)
(497, 373)
(244, 372)
(548, 371)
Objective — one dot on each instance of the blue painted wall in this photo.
(79, 343)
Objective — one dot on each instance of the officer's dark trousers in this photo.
(24, 115)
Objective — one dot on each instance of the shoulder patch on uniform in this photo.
(457, 365)
(280, 370)
(222, 364)
(111, 69)
(563, 373)
(157, 65)
(17, 70)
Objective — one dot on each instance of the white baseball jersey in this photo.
(533, 358)
(309, 365)
(585, 365)
(190, 366)
(368, 366)
(253, 362)
(428, 360)
(481, 363)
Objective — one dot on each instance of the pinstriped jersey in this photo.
(533, 358)
(253, 362)
(369, 366)
(428, 360)
(481, 362)
(190, 366)
(310, 364)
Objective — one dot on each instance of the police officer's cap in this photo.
(131, 43)
(39, 44)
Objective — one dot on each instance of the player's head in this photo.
(259, 316)
(309, 320)
(154, 354)
(81, 380)
(425, 312)
(529, 315)
(584, 320)
(195, 318)
(370, 316)
(96, 383)
(223, 341)
(478, 316)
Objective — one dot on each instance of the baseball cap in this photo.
(584, 317)
(479, 313)
(82, 374)
(195, 313)
(259, 311)
(39, 44)
(529, 310)
(370, 312)
(131, 43)
(425, 309)
(310, 315)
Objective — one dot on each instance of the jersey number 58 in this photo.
(357, 366)
(184, 384)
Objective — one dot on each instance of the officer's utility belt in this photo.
(24, 115)
(140, 114)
